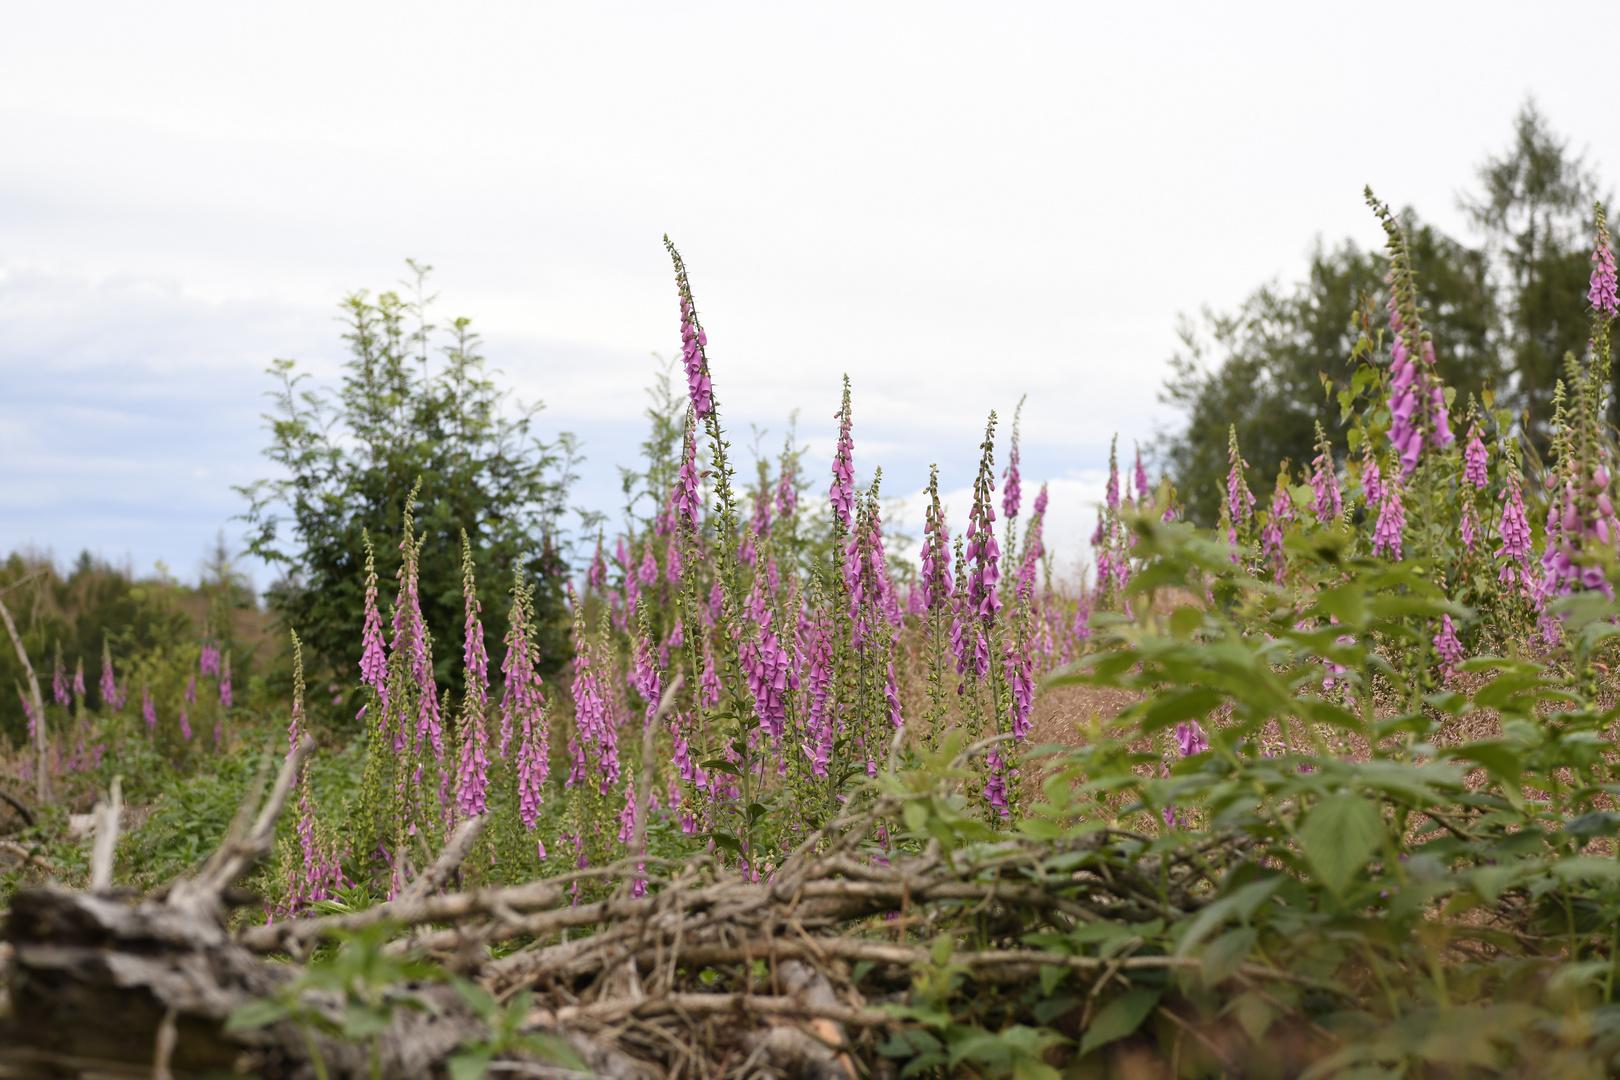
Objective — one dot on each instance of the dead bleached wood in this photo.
(41, 774)
(107, 816)
(449, 860)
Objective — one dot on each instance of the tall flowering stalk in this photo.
(373, 652)
(1417, 397)
(842, 492)
(472, 778)
(981, 602)
(694, 342)
(109, 683)
(1476, 460)
(1239, 499)
(1387, 535)
(523, 708)
(1012, 496)
(1328, 504)
(938, 589)
(1514, 529)
(1372, 480)
(1112, 493)
(411, 635)
(1034, 547)
(1581, 521)
(1281, 516)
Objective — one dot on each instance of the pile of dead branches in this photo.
(669, 971)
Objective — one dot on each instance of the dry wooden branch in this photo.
(108, 815)
(40, 772)
(200, 896)
(449, 860)
(28, 856)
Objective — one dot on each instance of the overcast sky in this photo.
(955, 204)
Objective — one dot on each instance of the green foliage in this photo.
(1261, 368)
(349, 456)
(1503, 315)
(1534, 215)
(368, 984)
(505, 1035)
(71, 616)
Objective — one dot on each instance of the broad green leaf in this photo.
(1118, 1018)
(257, 1014)
(470, 1064)
(1226, 954)
(1340, 834)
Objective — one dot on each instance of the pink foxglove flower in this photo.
(1190, 738)
(472, 779)
(28, 711)
(1112, 496)
(60, 683)
(1514, 530)
(1372, 487)
(149, 712)
(1468, 526)
(1329, 503)
(1602, 295)
(1417, 400)
(937, 585)
(1475, 461)
(109, 684)
(191, 689)
(1282, 515)
(1082, 618)
(694, 342)
(78, 680)
(787, 496)
(1018, 667)
(995, 785)
(411, 634)
(1239, 499)
(185, 724)
(842, 493)
(1448, 647)
(1391, 520)
(373, 660)
(1012, 491)
(1142, 489)
(225, 683)
(523, 708)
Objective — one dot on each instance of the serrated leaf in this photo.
(1118, 1018)
(1340, 835)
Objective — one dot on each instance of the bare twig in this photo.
(108, 815)
(40, 772)
(232, 859)
(449, 860)
(167, 1036)
(28, 856)
(27, 815)
(649, 742)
